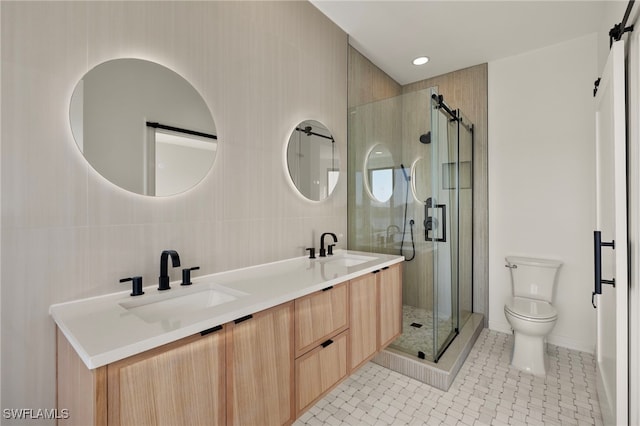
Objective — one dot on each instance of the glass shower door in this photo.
(441, 225)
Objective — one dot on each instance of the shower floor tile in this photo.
(417, 332)
(486, 391)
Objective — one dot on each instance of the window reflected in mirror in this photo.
(380, 173)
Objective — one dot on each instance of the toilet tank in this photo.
(533, 278)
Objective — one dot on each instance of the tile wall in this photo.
(67, 233)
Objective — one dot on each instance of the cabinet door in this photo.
(362, 321)
(260, 368)
(319, 370)
(320, 315)
(390, 314)
(180, 383)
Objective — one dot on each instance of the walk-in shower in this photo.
(411, 193)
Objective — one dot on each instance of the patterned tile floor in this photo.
(487, 391)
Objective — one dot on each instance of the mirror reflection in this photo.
(421, 184)
(380, 173)
(143, 127)
(313, 160)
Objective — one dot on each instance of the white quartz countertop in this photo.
(106, 329)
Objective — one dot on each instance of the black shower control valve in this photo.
(312, 252)
(136, 287)
(186, 275)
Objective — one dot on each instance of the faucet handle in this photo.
(136, 288)
(330, 249)
(312, 252)
(186, 275)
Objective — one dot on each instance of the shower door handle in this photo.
(430, 223)
(597, 265)
(444, 222)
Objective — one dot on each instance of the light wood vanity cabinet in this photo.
(178, 383)
(260, 368)
(266, 368)
(321, 322)
(376, 312)
(390, 305)
(181, 383)
(363, 321)
(320, 315)
(319, 370)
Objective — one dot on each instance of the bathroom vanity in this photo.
(258, 345)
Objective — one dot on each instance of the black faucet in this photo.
(323, 252)
(163, 280)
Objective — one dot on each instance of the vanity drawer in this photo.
(320, 315)
(319, 370)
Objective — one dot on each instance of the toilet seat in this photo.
(531, 310)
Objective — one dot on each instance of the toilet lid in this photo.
(531, 309)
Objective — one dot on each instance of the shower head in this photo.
(425, 138)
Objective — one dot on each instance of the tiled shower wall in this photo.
(68, 233)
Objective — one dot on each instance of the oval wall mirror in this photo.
(380, 173)
(421, 181)
(313, 160)
(143, 127)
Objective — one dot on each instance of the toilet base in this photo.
(529, 354)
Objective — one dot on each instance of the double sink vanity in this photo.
(258, 345)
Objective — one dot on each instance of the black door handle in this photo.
(430, 223)
(597, 265)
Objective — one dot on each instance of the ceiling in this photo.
(456, 34)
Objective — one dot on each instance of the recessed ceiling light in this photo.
(420, 60)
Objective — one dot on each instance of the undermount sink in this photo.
(348, 259)
(168, 306)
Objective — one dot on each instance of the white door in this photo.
(611, 222)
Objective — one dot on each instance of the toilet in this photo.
(529, 310)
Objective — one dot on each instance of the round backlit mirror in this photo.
(380, 173)
(313, 160)
(143, 127)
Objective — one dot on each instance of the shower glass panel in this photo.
(465, 218)
(426, 167)
(444, 227)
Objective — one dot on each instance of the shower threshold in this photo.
(442, 373)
